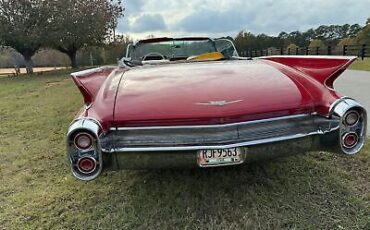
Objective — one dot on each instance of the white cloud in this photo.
(227, 17)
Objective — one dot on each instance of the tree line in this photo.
(84, 31)
(106, 53)
(322, 36)
(64, 25)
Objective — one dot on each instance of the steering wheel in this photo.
(154, 54)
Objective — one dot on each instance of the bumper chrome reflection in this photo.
(176, 138)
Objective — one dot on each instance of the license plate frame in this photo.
(220, 157)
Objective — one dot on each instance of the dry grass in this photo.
(315, 191)
(361, 64)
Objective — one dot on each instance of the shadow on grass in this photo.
(296, 192)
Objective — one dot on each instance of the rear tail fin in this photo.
(325, 69)
(90, 81)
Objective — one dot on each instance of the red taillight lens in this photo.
(352, 118)
(83, 141)
(350, 140)
(87, 165)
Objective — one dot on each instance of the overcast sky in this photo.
(215, 18)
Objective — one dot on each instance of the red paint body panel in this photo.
(322, 68)
(170, 94)
(102, 109)
(90, 81)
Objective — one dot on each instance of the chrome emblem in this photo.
(218, 103)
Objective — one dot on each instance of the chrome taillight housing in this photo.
(353, 125)
(84, 150)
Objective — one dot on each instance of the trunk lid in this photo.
(207, 93)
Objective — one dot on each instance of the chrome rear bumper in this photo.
(177, 146)
(183, 138)
(188, 158)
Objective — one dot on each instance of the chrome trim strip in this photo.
(93, 70)
(340, 110)
(210, 126)
(255, 142)
(86, 119)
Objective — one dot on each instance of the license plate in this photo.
(219, 157)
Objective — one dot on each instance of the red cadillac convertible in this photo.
(195, 102)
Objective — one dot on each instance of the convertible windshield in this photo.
(171, 50)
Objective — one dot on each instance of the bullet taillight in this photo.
(350, 140)
(86, 165)
(83, 141)
(351, 118)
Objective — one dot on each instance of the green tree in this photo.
(79, 23)
(347, 41)
(116, 49)
(22, 27)
(344, 42)
(317, 43)
(364, 36)
(299, 38)
(292, 48)
(316, 46)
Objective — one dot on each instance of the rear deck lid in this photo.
(207, 93)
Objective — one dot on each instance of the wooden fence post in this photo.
(317, 50)
(329, 50)
(307, 50)
(344, 50)
(281, 51)
(288, 51)
(297, 51)
(363, 51)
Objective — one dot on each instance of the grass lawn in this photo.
(361, 64)
(37, 191)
